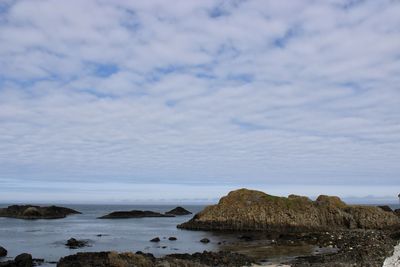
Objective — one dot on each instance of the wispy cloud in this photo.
(266, 92)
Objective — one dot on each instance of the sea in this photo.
(45, 239)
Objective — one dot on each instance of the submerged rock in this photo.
(155, 239)
(31, 212)
(73, 243)
(178, 211)
(172, 238)
(3, 252)
(251, 210)
(133, 214)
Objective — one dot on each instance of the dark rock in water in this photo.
(114, 259)
(172, 238)
(24, 260)
(3, 252)
(250, 210)
(386, 208)
(133, 214)
(178, 211)
(73, 243)
(205, 240)
(156, 239)
(30, 212)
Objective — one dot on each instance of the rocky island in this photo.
(340, 234)
(30, 212)
(178, 211)
(250, 210)
(133, 214)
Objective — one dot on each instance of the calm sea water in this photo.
(46, 238)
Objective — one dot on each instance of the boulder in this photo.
(73, 243)
(205, 240)
(3, 252)
(250, 210)
(172, 238)
(178, 211)
(24, 260)
(133, 214)
(31, 212)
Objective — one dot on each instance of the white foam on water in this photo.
(394, 260)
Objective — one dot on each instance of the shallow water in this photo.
(46, 238)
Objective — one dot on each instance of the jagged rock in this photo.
(36, 212)
(105, 259)
(73, 243)
(156, 239)
(3, 252)
(386, 208)
(178, 211)
(205, 240)
(250, 210)
(133, 214)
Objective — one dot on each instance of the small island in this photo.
(31, 212)
(133, 214)
(178, 211)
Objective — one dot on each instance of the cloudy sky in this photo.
(124, 101)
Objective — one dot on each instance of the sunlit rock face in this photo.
(250, 210)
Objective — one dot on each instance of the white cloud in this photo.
(262, 92)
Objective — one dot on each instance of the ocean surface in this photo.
(45, 239)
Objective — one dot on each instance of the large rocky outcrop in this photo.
(31, 212)
(249, 210)
(133, 214)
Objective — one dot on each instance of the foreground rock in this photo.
(251, 210)
(3, 252)
(133, 214)
(73, 243)
(30, 212)
(114, 259)
(178, 211)
(22, 260)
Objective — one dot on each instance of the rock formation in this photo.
(133, 214)
(249, 210)
(31, 212)
(178, 211)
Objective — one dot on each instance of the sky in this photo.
(133, 101)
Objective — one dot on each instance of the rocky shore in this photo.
(114, 259)
(30, 212)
